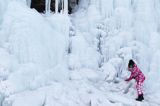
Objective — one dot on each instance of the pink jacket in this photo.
(136, 74)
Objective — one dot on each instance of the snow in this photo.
(79, 59)
(8, 64)
(82, 54)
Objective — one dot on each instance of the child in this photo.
(136, 74)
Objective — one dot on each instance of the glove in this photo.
(126, 79)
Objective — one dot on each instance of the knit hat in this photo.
(131, 64)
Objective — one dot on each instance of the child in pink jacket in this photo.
(136, 74)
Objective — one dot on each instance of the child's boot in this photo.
(140, 97)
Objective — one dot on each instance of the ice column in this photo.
(47, 6)
(56, 6)
(65, 6)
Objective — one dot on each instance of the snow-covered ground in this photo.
(79, 59)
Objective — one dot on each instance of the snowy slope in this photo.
(79, 59)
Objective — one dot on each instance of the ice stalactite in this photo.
(56, 6)
(65, 6)
(106, 8)
(28, 2)
(48, 6)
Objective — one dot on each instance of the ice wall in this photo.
(134, 25)
(31, 36)
(121, 30)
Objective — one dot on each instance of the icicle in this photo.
(47, 6)
(65, 6)
(62, 5)
(28, 3)
(56, 6)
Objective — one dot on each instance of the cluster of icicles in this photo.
(64, 6)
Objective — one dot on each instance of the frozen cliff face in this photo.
(82, 57)
(24, 39)
(124, 29)
(34, 48)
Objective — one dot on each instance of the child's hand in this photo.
(126, 80)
